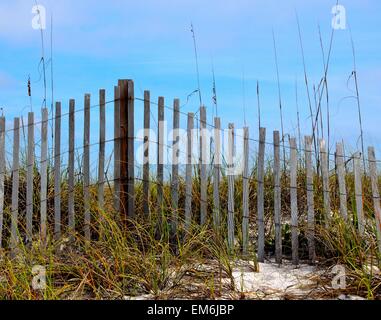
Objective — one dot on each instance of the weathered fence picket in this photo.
(188, 174)
(310, 200)
(245, 192)
(130, 149)
(2, 176)
(29, 178)
(117, 158)
(294, 202)
(160, 159)
(203, 160)
(341, 180)
(175, 166)
(44, 176)
(146, 191)
(216, 174)
(57, 172)
(358, 192)
(86, 168)
(277, 200)
(71, 207)
(325, 176)
(230, 173)
(101, 157)
(260, 196)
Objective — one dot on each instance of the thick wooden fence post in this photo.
(375, 192)
(325, 175)
(358, 192)
(101, 157)
(341, 180)
(86, 168)
(245, 192)
(29, 183)
(175, 166)
(310, 201)
(15, 187)
(216, 174)
(117, 156)
(160, 160)
(130, 150)
(230, 172)
(44, 176)
(294, 202)
(188, 174)
(2, 176)
(57, 172)
(260, 196)
(146, 191)
(71, 210)
(203, 157)
(277, 200)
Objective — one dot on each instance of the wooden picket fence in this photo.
(123, 177)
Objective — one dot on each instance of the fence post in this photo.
(44, 175)
(147, 113)
(358, 192)
(2, 176)
(203, 178)
(102, 138)
(71, 209)
(160, 159)
(29, 183)
(175, 166)
(57, 172)
(188, 174)
(294, 202)
(117, 157)
(260, 196)
(130, 150)
(375, 192)
(341, 180)
(310, 200)
(277, 199)
(245, 192)
(325, 175)
(216, 174)
(230, 171)
(86, 168)
(15, 186)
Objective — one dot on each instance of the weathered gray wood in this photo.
(245, 192)
(188, 174)
(2, 176)
(260, 195)
(325, 175)
(216, 174)
(160, 158)
(358, 192)
(29, 178)
(230, 172)
(130, 150)
(57, 172)
(175, 166)
(117, 149)
(310, 200)
(147, 113)
(86, 168)
(277, 199)
(101, 156)
(203, 178)
(375, 192)
(294, 202)
(15, 187)
(44, 176)
(341, 180)
(71, 209)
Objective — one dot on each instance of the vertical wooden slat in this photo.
(188, 174)
(175, 166)
(86, 168)
(44, 175)
(375, 192)
(245, 192)
(147, 113)
(15, 186)
(341, 180)
(260, 196)
(294, 202)
(160, 159)
(203, 178)
(325, 175)
(101, 156)
(277, 199)
(230, 163)
(29, 179)
(310, 200)
(130, 150)
(57, 172)
(358, 192)
(71, 212)
(117, 148)
(216, 174)
(2, 176)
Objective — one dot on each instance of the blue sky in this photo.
(97, 42)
